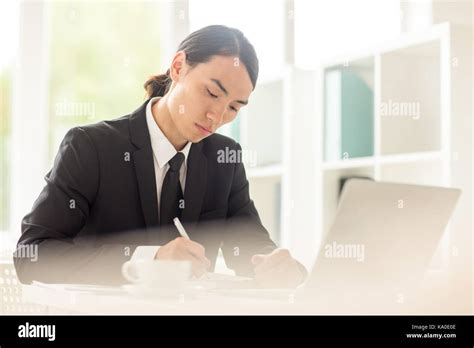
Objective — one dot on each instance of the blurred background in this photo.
(367, 88)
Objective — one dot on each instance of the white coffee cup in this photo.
(164, 274)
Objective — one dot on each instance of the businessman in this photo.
(116, 186)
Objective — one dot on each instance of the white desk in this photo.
(124, 303)
(271, 302)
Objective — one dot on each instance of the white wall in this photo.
(460, 16)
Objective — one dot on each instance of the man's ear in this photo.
(178, 66)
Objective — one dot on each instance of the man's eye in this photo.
(212, 95)
(233, 109)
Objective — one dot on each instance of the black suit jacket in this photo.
(100, 203)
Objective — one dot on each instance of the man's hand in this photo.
(185, 249)
(277, 270)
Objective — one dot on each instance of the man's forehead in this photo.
(221, 71)
(224, 65)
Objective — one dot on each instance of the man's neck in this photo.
(162, 117)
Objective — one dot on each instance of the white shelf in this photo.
(265, 171)
(419, 173)
(411, 124)
(264, 116)
(349, 163)
(411, 157)
(413, 151)
(265, 191)
(410, 99)
(405, 40)
(387, 159)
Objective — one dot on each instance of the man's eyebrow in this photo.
(219, 84)
(222, 88)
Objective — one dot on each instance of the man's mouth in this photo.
(203, 130)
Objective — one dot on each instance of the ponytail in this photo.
(158, 85)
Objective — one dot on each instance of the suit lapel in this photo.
(145, 171)
(144, 166)
(195, 186)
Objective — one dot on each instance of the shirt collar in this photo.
(163, 150)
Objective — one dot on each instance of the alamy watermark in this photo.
(26, 251)
(400, 109)
(37, 331)
(345, 251)
(68, 108)
(228, 155)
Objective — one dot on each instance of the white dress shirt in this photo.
(163, 151)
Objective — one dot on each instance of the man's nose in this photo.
(216, 116)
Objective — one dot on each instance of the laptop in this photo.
(381, 242)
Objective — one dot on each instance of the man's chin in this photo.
(197, 138)
(194, 137)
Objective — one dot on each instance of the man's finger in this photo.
(258, 258)
(272, 261)
(196, 248)
(202, 262)
(282, 276)
(279, 269)
(198, 251)
(198, 266)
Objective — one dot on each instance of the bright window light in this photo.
(8, 32)
(262, 22)
(329, 29)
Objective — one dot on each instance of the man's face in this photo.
(208, 96)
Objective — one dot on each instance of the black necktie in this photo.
(171, 192)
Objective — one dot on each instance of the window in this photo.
(100, 56)
(91, 62)
(9, 46)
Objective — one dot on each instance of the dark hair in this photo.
(201, 45)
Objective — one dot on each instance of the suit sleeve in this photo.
(58, 215)
(245, 235)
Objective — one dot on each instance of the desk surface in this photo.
(121, 302)
(252, 302)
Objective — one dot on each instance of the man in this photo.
(116, 186)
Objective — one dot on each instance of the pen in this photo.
(183, 234)
(180, 228)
